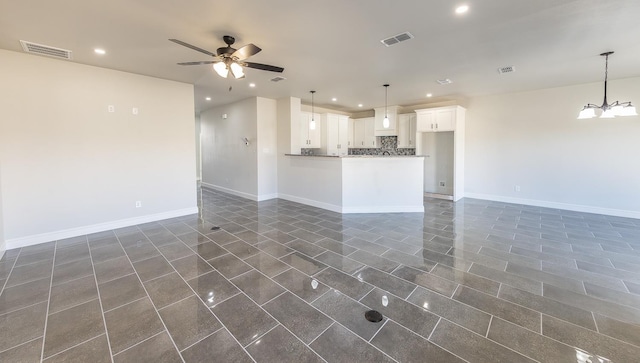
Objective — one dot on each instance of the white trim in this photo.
(385, 209)
(557, 205)
(267, 197)
(313, 203)
(230, 191)
(99, 227)
(3, 247)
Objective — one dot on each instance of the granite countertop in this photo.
(358, 156)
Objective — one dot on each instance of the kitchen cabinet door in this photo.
(334, 133)
(370, 140)
(407, 131)
(310, 138)
(359, 133)
(436, 119)
(350, 133)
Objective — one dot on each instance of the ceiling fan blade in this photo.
(246, 51)
(193, 47)
(196, 63)
(263, 67)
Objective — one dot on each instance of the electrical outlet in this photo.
(138, 204)
(516, 188)
(135, 110)
(111, 108)
(442, 184)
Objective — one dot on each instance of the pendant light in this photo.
(312, 123)
(608, 110)
(385, 121)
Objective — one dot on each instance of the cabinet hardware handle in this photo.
(431, 126)
(436, 126)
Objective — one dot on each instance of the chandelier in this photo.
(608, 110)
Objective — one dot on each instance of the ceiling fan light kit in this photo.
(228, 60)
(608, 110)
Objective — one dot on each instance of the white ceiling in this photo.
(333, 46)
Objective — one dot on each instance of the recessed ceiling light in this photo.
(359, 104)
(429, 94)
(100, 51)
(208, 98)
(462, 9)
(334, 99)
(252, 85)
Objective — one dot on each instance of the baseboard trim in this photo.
(384, 209)
(229, 191)
(94, 228)
(313, 203)
(255, 198)
(557, 205)
(3, 248)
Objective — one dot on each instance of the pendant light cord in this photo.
(312, 109)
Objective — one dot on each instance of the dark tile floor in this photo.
(470, 281)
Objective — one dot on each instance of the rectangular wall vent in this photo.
(397, 39)
(277, 79)
(444, 81)
(46, 50)
(507, 69)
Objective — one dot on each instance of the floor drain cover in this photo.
(373, 316)
(215, 228)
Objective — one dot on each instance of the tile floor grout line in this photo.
(46, 319)
(150, 300)
(273, 298)
(13, 265)
(210, 309)
(199, 340)
(23, 343)
(79, 344)
(140, 342)
(102, 312)
(74, 305)
(21, 308)
(379, 329)
(333, 322)
(265, 333)
(486, 335)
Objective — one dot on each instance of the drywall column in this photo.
(3, 246)
(267, 149)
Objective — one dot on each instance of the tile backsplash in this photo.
(388, 144)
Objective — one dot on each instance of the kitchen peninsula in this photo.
(356, 183)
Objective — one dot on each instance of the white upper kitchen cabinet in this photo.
(407, 131)
(364, 133)
(335, 136)
(439, 119)
(392, 113)
(310, 138)
(350, 133)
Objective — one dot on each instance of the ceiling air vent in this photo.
(507, 69)
(40, 49)
(397, 39)
(444, 81)
(277, 79)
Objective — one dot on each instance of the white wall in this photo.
(267, 149)
(3, 245)
(438, 149)
(198, 156)
(230, 165)
(70, 167)
(227, 164)
(533, 139)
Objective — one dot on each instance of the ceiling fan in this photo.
(229, 60)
